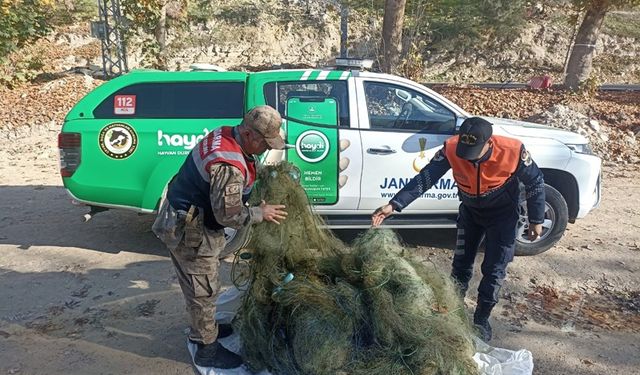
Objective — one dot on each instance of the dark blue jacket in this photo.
(492, 202)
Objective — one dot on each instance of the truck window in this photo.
(393, 107)
(178, 100)
(276, 95)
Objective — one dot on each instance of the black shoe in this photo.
(481, 320)
(484, 328)
(224, 330)
(215, 355)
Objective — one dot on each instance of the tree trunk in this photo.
(160, 34)
(344, 29)
(584, 47)
(392, 34)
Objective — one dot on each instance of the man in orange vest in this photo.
(488, 170)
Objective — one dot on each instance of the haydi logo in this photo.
(187, 141)
(312, 146)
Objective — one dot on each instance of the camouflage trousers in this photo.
(197, 270)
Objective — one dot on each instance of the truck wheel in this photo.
(556, 216)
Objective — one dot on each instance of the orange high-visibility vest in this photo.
(489, 174)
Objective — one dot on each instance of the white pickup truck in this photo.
(357, 137)
(391, 128)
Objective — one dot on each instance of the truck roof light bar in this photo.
(361, 64)
(206, 67)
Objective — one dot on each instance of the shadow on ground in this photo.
(44, 216)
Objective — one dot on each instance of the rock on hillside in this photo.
(610, 120)
(610, 143)
(238, 34)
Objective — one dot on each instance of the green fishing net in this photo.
(315, 306)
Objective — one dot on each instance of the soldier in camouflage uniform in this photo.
(207, 194)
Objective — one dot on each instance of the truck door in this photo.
(331, 87)
(405, 128)
(312, 130)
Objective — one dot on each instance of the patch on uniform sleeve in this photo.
(232, 189)
(525, 156)
(233, 199)
(439, 156)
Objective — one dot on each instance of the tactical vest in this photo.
(479, 179)
(191, 184)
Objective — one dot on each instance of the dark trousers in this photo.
(498, 227)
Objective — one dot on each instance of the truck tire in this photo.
(556, 216)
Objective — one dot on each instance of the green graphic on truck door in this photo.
(316, 151)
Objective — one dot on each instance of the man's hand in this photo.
(534, 231)
(380, 214)
(273, 212)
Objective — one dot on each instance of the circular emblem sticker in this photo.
(118, 140)
(312, 146)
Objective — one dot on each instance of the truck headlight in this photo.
(581, 148)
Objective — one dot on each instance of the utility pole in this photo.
(109, 30)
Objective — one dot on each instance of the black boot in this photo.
(224, 330)
(215, 355)
(481, 322)
(462, 289)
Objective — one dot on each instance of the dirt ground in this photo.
(101, 297)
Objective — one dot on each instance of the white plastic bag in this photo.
(497, 361)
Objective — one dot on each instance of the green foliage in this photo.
(243, 13)
(609, 4)
(143, 16)
(439, 26)
(412, 64)
(455, 24)
(589, 87)
(151, 54)
(248, 13)
(365, 4)
(200, 11)
(626, 25)
(609, 64)
(146, 17)
(583, 5)
(20, 71)
(74, 11)
(452, 24)
(22, 22)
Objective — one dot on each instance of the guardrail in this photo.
(511, 85)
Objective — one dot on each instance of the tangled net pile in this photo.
(314, 306)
